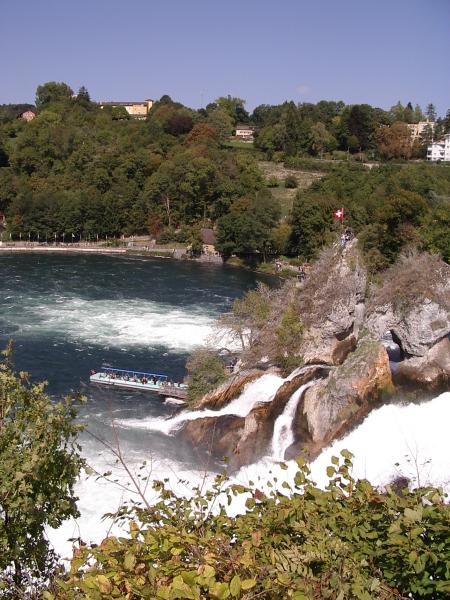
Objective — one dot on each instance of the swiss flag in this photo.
(339, 214)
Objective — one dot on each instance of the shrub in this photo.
(206, 371)
(349, 541)
(290, 182)
(412, 278)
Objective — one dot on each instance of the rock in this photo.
(415, 331)
(429, 372)
(256, 436)
(243, 439)
(229, 390)
(216, 436)
(332, 303)
(413, 304)
(333, 406)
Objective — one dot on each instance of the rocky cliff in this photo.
(344, 331)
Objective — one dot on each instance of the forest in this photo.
(80, 172)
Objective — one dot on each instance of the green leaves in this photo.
(349, 542)
(39, 464)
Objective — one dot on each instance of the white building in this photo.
(137, 110)
(440, 150)
(418, 129)
(245, 132)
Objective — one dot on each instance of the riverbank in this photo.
(65, 249)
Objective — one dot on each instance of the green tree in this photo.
(430, 112)
(83, 97)
(400, 216)
(39, 464)
(234, 107)
(221, 121)
(206, 371)
(321, 139)
(311, 222)
(247, 228)
(51, 92)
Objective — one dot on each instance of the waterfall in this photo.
(283, 433)
(261, 390)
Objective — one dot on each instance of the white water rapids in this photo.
(410, 439)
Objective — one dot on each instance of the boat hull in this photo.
(162, 389)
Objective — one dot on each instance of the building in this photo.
(438, 151)
(28, 115)
(418, 129)
(245, 132)
(137, 110)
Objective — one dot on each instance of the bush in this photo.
(349, 541)
(206, 371)
(39, 465)
(412, 278)
(290, 182)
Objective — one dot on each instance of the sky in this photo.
(266, 52)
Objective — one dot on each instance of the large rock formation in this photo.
(408, 310)
(243, 439)
(332, 305)
(257, 433)
(334, 405)
(430, 372)
(413, 303)
(229, 390)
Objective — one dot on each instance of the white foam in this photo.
(261, 390)
(118, 323)
(413, 435)
(98, 496)
(283, 434)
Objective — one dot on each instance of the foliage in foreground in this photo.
(39, 464)
(348, 541)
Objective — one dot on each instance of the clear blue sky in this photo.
(377, 52)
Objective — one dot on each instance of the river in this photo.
(68, 314)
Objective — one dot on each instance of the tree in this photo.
(360, 124)
(400, 215)
(248, 317)
(394, 141)
(52, 92)
(206, 371)
(311, 222)
(446, 122)
(83, 98)
(430, 112)
(320, 139)
(221, 121)
(39, 464)
(234, 107)
(247, 228)
(418, 114)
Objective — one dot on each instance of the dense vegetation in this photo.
(350, 541)
(77, 171)
(332, 129)
(39, 465)
(387, 207)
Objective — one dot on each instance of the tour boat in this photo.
(138, 380)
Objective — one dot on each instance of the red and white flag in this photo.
(339, 214)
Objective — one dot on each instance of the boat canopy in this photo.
(132, 373)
